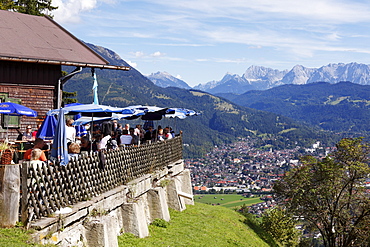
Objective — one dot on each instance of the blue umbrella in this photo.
(47, 129)
(87, 108)
(59, 151)
(80, 129)
(14, 109)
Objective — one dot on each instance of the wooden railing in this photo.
(47, 188)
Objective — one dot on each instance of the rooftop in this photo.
(39, 39)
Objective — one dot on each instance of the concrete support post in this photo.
(174, 201)
(9, 194)
(186, 186)
(135, 220)
(158, 204)
(98, 232)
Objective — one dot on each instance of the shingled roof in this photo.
(39, 39)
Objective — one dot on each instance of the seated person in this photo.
(70, 131)
(102, 145)
(27, 135)
(73, 150)
(161, 136)
(39, 143)
(85, 144)
(34, 133)
(148, 136)
(167, 134)
(125, 138)
(36, 153)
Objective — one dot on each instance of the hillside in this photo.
(200, 225)
(340, 107)
(220, 120)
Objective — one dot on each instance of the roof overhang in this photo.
(52, 62)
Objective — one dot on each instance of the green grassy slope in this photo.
(226, 200)
(199, 225)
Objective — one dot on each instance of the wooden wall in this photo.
(35, 85)
(29, 73)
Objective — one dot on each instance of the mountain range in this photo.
(262, 78)
(220, 121)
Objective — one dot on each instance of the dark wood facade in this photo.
(31, 84)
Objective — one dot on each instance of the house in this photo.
(32, 52)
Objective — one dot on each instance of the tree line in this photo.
(31, 7)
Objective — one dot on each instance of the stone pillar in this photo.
(174, 201)
(158, 204)
(135, 219)
(9, 194)
(98, 232)
(186, 186)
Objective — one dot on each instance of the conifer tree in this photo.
(31, 7)
(7, 4)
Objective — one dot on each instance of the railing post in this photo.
(24, 201)
(9, 194)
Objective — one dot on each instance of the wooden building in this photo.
(33, 50)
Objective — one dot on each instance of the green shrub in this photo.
(160, 223)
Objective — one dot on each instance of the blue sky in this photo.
(201, 40)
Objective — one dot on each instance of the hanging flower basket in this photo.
(6, 154)
(6, 157)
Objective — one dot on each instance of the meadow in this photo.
(226, 200)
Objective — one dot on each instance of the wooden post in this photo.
(9, 194)
(24, 201)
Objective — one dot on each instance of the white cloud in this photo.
(178, 77)
(132, 64)
(69, 10)
(157, 54)
(138, 54)
(341, 11)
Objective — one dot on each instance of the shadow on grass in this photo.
(251, 221)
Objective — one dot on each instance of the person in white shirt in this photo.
(103, 142)
(126, 138)
(70, 131)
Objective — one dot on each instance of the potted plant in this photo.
(6, 153)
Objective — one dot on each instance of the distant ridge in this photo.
(262, 78)
(164, 79)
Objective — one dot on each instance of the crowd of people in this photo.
(102, 136)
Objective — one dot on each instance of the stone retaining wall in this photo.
(127, 208)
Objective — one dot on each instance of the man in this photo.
(39, 143)
(125, 138)
(27, 136)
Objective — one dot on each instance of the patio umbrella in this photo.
(180, 113)
(88, 109)
(59, 151)
(80, 129)
(47, 129)
(14, 109)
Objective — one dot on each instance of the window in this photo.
(6, 120)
